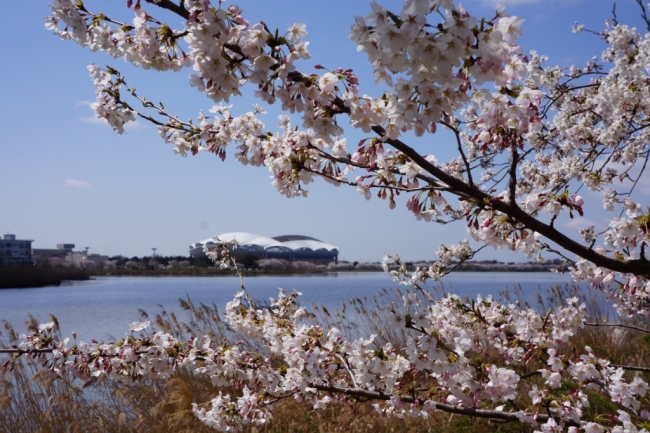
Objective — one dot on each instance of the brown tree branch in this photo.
(178, 9)
(632, 368)
(512, 185)
(619, 325)
(467, 411)
(462, 189)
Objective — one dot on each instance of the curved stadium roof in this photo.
(313, 245)
(245, 239)
(257, 242)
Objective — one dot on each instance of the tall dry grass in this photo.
(32, 401)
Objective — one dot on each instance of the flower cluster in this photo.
(130, 359)
(109, 107)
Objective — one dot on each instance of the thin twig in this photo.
(461, 151)
(631, 368)
(618, 325)
(347, 367)
(644, 14)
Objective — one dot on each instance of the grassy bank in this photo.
(18, 277)
(288, 269)
(31, 401)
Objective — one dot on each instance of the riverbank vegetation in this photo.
(251, 265)
(33, 400)
(18, 277)
(52, 272)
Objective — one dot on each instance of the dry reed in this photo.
(32, 401)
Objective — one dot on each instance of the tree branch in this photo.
(462, 152)
(467, 411)
(618, 325)
(460, 188)
(178, 9)
(644, 14)
(25, 352)
(631, 368)
(512, 185)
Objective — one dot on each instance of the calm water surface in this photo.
(105, 306)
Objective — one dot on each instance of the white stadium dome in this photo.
(291, 247)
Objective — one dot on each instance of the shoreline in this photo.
(253, 273)
(33, 277)
(486, 267)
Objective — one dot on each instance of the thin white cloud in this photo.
(579, 222)
(93, 119)
(84, 104)
(77, 183)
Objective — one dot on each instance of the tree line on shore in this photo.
(252, 263)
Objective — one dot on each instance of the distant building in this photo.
(61, 251)
(15, 251)
(66, 252)
(99, 259)
(83, 256)
(288, 247)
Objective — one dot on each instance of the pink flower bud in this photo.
(578, 200)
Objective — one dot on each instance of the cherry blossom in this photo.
(534, 144)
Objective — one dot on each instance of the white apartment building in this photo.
(15, 251)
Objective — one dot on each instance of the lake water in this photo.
(105, 306)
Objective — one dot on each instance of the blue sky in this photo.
(66, 177)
